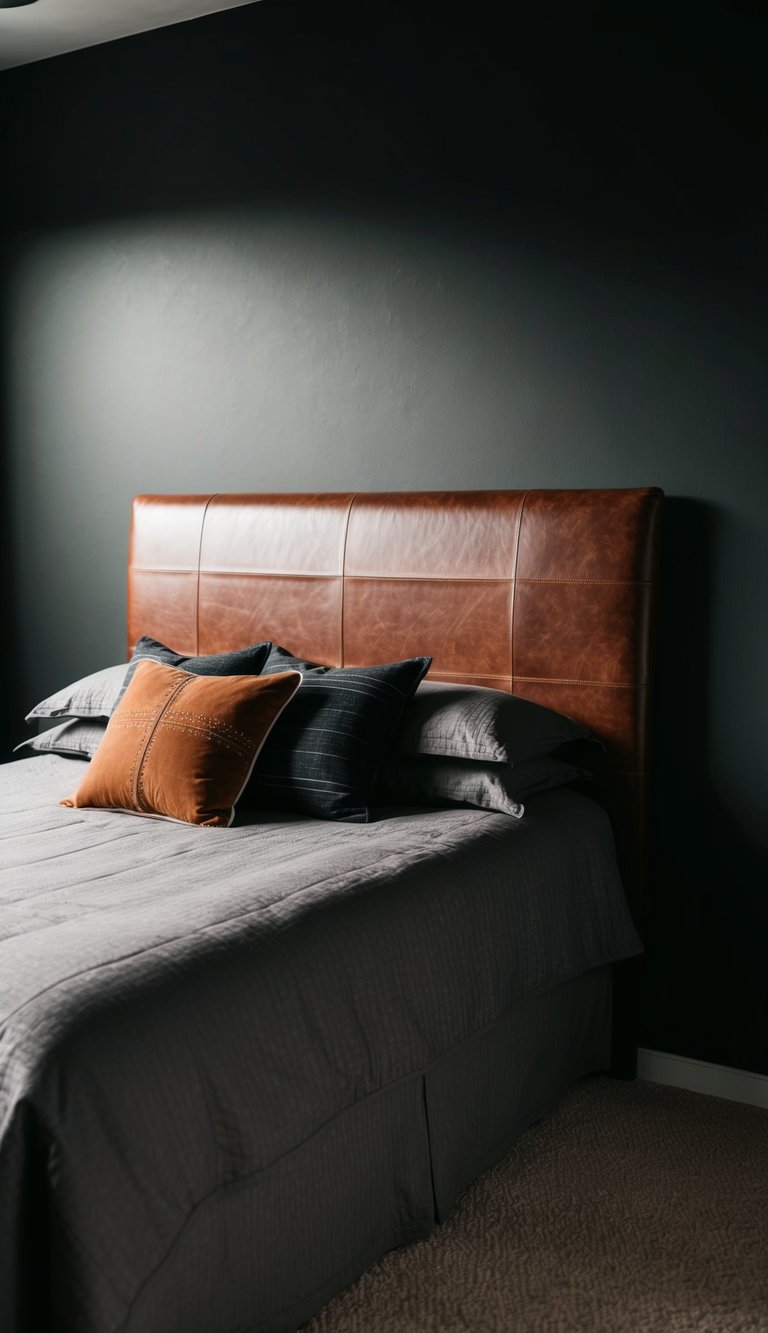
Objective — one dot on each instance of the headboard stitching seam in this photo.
(512, 590)
(345, 535)
(208, 502)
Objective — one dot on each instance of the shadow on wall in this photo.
(9, 707)
(704, 992)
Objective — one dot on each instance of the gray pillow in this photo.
(80, 737)
(97, 695)
(441, 781)
(472, 722)
(93, 696)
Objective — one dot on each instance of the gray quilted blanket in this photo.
(181, 1006)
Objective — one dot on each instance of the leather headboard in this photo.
(548, 594)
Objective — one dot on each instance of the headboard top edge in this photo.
(244, 497)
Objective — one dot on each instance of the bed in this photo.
(237, 1065)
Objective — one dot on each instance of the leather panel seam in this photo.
(603, 684)
(208, 503)
(162, 569)
(343, 553)
(470, 675)
(592, 583)
(387, 578)
(513, 591)
(427, 578)
(266, 574)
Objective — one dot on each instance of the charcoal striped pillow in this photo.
(322, 756)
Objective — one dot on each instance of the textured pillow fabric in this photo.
(282, 659)
(472, 722)
(79, 737)
(182, 746)
(323, 755)
(441, 781)
(93, 696)
(239, 662)
(98, 695)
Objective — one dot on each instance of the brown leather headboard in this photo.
(548, 594)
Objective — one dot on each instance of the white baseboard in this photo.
(678, 1071)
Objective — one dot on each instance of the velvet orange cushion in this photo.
(183, 746)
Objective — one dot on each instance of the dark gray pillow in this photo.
(472, 722)
(238, 662)
(439, 781)
(282, 659)
(323, 753)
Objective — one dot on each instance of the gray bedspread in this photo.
(180, 1007)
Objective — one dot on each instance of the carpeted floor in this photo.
(633, 1208)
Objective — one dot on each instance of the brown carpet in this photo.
(631, 1207)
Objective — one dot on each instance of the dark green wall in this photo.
(330, 246)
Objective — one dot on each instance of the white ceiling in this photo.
(49, 27)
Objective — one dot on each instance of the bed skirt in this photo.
(381, 1174)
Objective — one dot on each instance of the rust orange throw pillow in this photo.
(183, 746)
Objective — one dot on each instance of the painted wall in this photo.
(300, 246)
